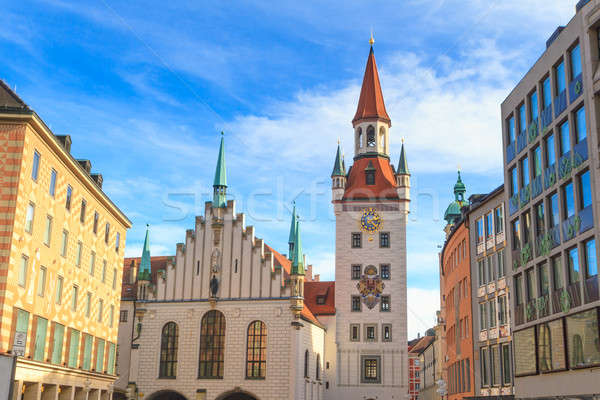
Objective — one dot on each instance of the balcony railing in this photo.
(510, 152)
(574, 294)
(561, 301)
(522, 140)
(537, 186)
(531, 310)
(575, 88)
(560, 103)
(571, 227)
(519, 314)
(546, 118)
(542, 305)
(590, 289)
(549, 176)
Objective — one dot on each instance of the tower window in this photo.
(387, 333)
(370, 333)
(385, 303)
(384, 239)
(370, 369)
(359, 136)
(370, 177)
(385, 271)
(320, 299)
(355, 303)
(370, 136)
(356, 271)
(356, 240)
(354, 332)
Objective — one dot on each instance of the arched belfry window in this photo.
(382, 137)
(371, 136)
(256, 356)
(359, 137)
(212, 345)
(168, 350)
(318, 369)
(306, 364)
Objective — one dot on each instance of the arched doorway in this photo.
(166, 395)
(238, 395)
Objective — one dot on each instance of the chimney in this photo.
(85, 164)
(98, 179)
(65, 141)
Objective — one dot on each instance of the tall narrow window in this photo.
(514, 184)
(88, 304)
(100, 309)
(524, 172)
(96, 218)
(35, 168)
(559, 72)
(73, 348)
(103, 276)
(370, 136)
(591, 265)
(537, 161)
(52, 188)
(565, 140)
(169, 343)
(256, 350)
(385, 303)
(547, 93)
(29, 217)
(585, 190)
(522, 118)
(23, 271)
(554, 211)
(21, 327)
(82, 211)
(575, 56)
(533, 106)
(506, 365)
(568, 200)
(114, 280)
(511, 129)
(117, 242)
(68, 198)
(111, 316)
(557, 273)
(58, 332)
(106, 233)
(79, 253)
(40, 339)
(540, 219)
(100, 343)
(384, 239)
(212, 345)
(48, 231)
(59, 290)
(580, 124)
(42, 282)
(92, 262)
(499, 219)
(87, 351)
(573, 259)
(550, 151)
(74, 293)
(318, 368)
(306, 360)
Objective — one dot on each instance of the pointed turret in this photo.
(220, 182)
(338, 165)
(402, 164)
(144, 272)
(370, 102)
(338, 175)
(453, 212)
(298, 257)
(297, 274)
(293, 228)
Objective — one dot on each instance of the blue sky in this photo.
(144, 88)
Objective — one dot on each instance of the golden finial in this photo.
(371, 40)
(458, 166)
(338, 140)
(402, 139)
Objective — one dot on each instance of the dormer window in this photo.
(370, 174)
(320, 299)
(370, 136)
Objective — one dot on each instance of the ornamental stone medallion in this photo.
(370, 286)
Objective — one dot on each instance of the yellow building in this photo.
(62, 242)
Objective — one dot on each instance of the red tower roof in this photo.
(370, 102)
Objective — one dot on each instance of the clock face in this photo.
(370, 221)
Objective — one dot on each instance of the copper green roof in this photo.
(453, 212)
(144, 271)
(402, 164)
(298, 257)
(220, 172)
(293, 226)
(338, 166)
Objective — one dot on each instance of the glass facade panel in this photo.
(533, 106)
(537, 161)
(554, 210)
(568, 200)
(565, 141)
(585, 190)
(511, 129)
(591, 265)
(559, 70)
(547, 93)
(525, 359)
(573, 261)
(575, 56)
(522, 118)
(550, 151)
(525, 171)
(40, 339)
(582, 339)
(580, 124)
(74, 348)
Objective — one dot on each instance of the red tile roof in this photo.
(421, 345)
(129, 290)
(370, 102)
(385, 180)
(312, 290)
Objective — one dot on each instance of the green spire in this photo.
(459, 189)
(338, 166)
(293, 227)
(402, 164)
(298, 257)
(220, 183)
(453, 212)
(145, 271)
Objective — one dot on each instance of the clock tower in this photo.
(371, 204)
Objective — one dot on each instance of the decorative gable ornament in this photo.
(370, 287)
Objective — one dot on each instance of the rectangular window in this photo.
(42, 282)
(356, 270)
(591, 266)
(355, 303)
(370, 333)
(385, 303)
(557, 273)
(59, 289)
(565, 140)
(106, 233)
(559, 73)
(483, 316)
(580, 124)
(547, 93)
(92, 263)
(118, 242)
(40, 339)
(568, 200)
(511, 129)
(88, 304)
(100, 309)
(385, 271)
(23, 270)
(74, 293)
(65, 243)
(29, 217)
(516, 234)
(489, 225)
(530, 284)
(21, 328)
(57, 343)
(354, 332)
(543, 279)
(499, 220)
(537, 161)
(482, 276)
(35, 169)
(550, 151)
(96, 218)
(533, 106)
(554, 211)
(479, 230)
(502, 310)
(356, 240)
(48, 231)
(68, 199)
(585, 190)
(492, 309)
(518, 289)
(526, 227)
(384, 239)
(514, 184)
(370, 369)
(468, 373)
(386, 334)
(87, 352)
(111, 316)
(52, 188)
(506, 365)
(551, 346)
(99, 355)
(103, 276)
(123, 316)
(522, 118)
(540, 228)
(495, 366)
(82, 211)
(114, 280)
(490, 268)
(74, 348)
(573, 262)
(575, 57)
(483, 358)
(110, 368)
(500, 260)
(79, 254)
(524, 172)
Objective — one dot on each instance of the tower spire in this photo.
(293, 227)
(338, 165)
(402, 164)
(145, 270)
(220, 182)
(370, 102)
(298, 257)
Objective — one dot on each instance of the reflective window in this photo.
(533, 106)
(568, 200)
(546, 93)
(585, 190)
(550, 152)
(525, 172)
(559, 70)
(35, 168)
(522, 118)
(573, 262)
(557, 273)
(212, 345)
(582, 339)
(554, 211)
(256, 356)
(537, 161)
(499, 220)
(514, 186)
(565, 143)
(575, 56)
(591, 265)
(52, 189)
(511, 129)
(580, 124)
